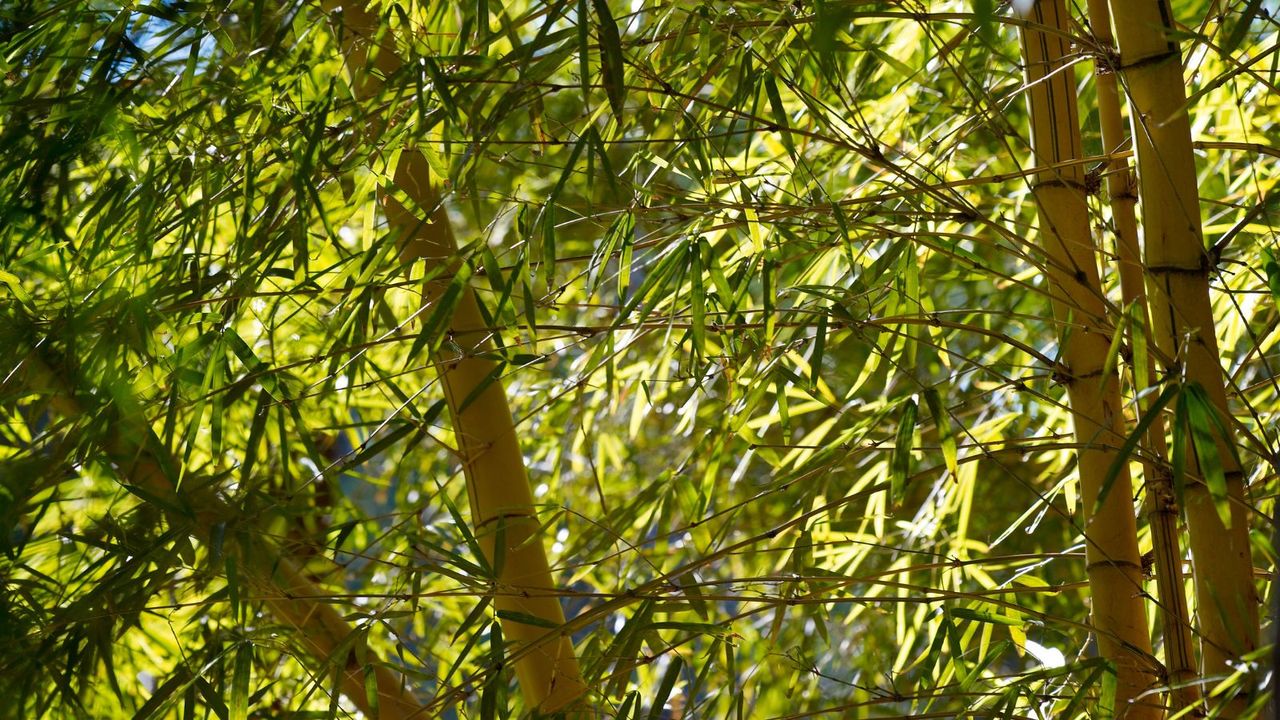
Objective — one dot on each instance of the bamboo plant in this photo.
(503, 511)
(763, 285)
(1080, 309)
(292, 597)
(1178, 268)
(1161, 504)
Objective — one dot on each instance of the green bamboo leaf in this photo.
(983, 616)
(584, 51)
(527, 619)
(1113, 350)
(1131, 443)
(433, 330)
(239, 701)
(819, 350)
(901, 462)
(1239, 29)
(618, 235)
(955, 642)
(626, 644)
(1180, 447)
(1136, 312)
(473, 618)
(477, 553)
(779, 112)
(549, 245)
(624, 262)
(258, 426)
(159, 700)
(371, 688)
(697, 300)
(1271, 268)
(394, 431)
(630, 706)
(15, 286)
(984, 12)
(611, 60)
(1200, 413)
(489, 380)
(669, 679)
(1107, 687)
(946, 436)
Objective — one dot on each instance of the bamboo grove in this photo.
(577, 358)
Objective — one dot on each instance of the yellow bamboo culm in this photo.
(1161, 505)
(1178, 268)
(1079, 308)
(293, 599)
(502, 505)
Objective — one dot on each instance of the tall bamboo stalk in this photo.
(1079, 308)
(295, 601)
(501, 503)
(1161, 504)
(1178, 268)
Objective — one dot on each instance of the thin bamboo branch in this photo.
(1110, 528)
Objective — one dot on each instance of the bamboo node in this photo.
(1171, 53)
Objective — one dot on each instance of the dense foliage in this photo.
(763, 282)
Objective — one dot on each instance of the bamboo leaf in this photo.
(1240, 28)
(1199, 414)
(611, 60)
(946, 436)
(1131, 444)
(983, 616)
(984, 12)
(1271, 267)
(669, 679)
(15, 286)
(903, 445)
(779, 112)
(584, 51)
(238, 706)
(819, 350)
(433, 330)
(526, 619)
(1180, 447)
(697, 300)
